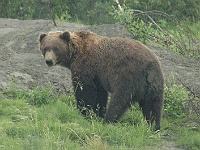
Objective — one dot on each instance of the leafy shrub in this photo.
(140, 29)
(176, 98)
(91, 11)
(158, 27)
(32, 9)
(182, 9)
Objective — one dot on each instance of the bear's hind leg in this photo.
(152, 111)
(146, 107)
(157, 111)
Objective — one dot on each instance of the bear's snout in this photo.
(50, 58)
(49, 62)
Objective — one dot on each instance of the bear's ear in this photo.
(42, 36)
(65, 36)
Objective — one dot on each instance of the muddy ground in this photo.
(22, 63)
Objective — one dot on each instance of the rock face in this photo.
(22, 63)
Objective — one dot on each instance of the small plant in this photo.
(176, 97)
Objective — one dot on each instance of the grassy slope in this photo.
(58, 125)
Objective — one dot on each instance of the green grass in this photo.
(57, 126)
(190, 139)
(55, 123)
(194, 27)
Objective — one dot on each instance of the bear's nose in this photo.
(49, 62)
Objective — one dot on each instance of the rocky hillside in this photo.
(22, 63)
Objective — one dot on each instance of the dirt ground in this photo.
(21, 61)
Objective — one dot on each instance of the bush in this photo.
(85, 11)
(138, 26)
(40, 96)
(91, 11)
(182, 9)
(176, 98)
(158, 27)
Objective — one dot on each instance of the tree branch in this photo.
(118, 4)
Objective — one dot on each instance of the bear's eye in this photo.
(44, 50)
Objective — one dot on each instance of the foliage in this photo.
(181, 9)
(16, 9)
(84, 10)
(93, 11)
(32, 9)
(140, 29)
(176, 98)
(167, 32)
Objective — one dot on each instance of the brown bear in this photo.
(125, 68)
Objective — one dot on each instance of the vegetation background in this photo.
(87, 11)
(38, 118)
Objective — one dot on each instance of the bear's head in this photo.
(57, 48)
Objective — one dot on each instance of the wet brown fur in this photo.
(126, 68)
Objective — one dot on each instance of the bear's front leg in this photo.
(102, 100)
(86, 96)
(119, 103)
